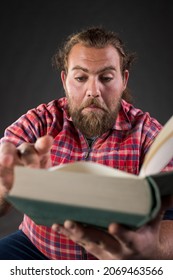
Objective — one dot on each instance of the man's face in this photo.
(94, 85)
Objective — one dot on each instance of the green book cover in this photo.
(98, 199)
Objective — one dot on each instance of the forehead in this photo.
(93, 57)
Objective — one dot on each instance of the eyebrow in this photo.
(107, 68)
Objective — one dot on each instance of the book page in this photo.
(89, 167)
(85, 190)
(161, 151)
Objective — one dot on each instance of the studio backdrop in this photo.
(32, 30)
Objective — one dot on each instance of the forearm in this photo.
(165, 248)
(4, 206)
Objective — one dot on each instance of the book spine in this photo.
(155, 193)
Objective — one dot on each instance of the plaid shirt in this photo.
(123, 147)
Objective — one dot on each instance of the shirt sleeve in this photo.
(37, 122)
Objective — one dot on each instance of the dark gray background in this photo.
(30, 32)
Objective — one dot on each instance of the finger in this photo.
(134, 240)
(97, 242)
(131, 241)
(122, 233)
(7, 154)
(7, 161)
(43, 144)
(71, 230)
(28, 155)
(37, 155)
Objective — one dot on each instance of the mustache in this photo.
(94, 102)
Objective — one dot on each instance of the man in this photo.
(93, 122)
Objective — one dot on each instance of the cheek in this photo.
(112, 97)
(73, 90)
(74, 95)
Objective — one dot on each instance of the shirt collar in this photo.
(122, 121)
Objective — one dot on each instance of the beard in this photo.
(93, 123)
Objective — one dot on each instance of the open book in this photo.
(95, 194)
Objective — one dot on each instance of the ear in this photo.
(63, 78)
(125, 78)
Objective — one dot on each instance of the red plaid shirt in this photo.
(123, 147)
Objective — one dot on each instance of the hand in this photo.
(33, 155)
(152, 241)
(117, 243)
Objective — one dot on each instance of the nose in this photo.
(93, 88)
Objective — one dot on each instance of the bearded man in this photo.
(94, 122)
